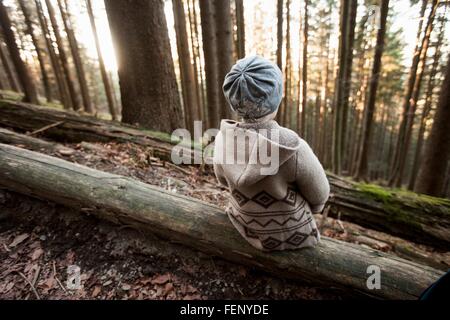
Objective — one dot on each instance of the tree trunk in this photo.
(191, 103)
(339, 91)
(25, 79)
(224, 42)
(40, 56)
(61, 84)
(305, 71)
(280, 49)
(112, 106)
(348, 78)
(373, 87)
(287, 68)
(436, 157)
(204, 227)
(148, 85)
(63, 56)
(73, 43)
(420, 219)
(211, 64)
(198, 74)
(8, 70)
(240, 28)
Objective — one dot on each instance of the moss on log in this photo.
(203, 226)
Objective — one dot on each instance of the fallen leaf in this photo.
(19, 239)
(161, 279)
(96, 291)
(126, 287)
(37, 254)
(168, 288)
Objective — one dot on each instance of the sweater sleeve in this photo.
(311, 179)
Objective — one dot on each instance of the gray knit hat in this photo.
(253, 87)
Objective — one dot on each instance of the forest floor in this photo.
(39, 240)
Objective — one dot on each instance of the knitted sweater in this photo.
(272, 212)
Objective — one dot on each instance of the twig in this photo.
(31, 285)
(56, 278)
(52, 125)
(174, 166)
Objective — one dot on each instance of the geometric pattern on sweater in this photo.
(295, 240)
(265, 199)
(266, 213)
(271, 220)
(253, 233)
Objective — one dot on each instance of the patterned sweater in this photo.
(270, 205)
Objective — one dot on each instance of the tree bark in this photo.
(73, 43)
(419, 219)
(373, 87)
(224, 34)
(436, 157)
(25, 79)
(191, 103)
(211, 64)
(204, 227)
(40, 56)
(148, 85)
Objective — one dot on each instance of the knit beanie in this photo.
(253, 87)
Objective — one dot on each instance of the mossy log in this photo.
(414, 217)
(204, 227)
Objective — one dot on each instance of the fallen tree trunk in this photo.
(419, 218)
(204, 227)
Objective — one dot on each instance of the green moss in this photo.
(375, 192)
(397, 201)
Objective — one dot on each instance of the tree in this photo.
(367, 131)
(339, 92)
(305, 71)
(280, 48)
(240, 28)
(148, 85)
(8, 69)
(436, 156)
(105, 78)
(346, 85)
(74, 99)
(210, 54)
(73, 43)
(395, 178)
(427, 105)
(37, 47)
(24, 76)
(287, 68)
(56, 66)
(224, 48)
(191, 103)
